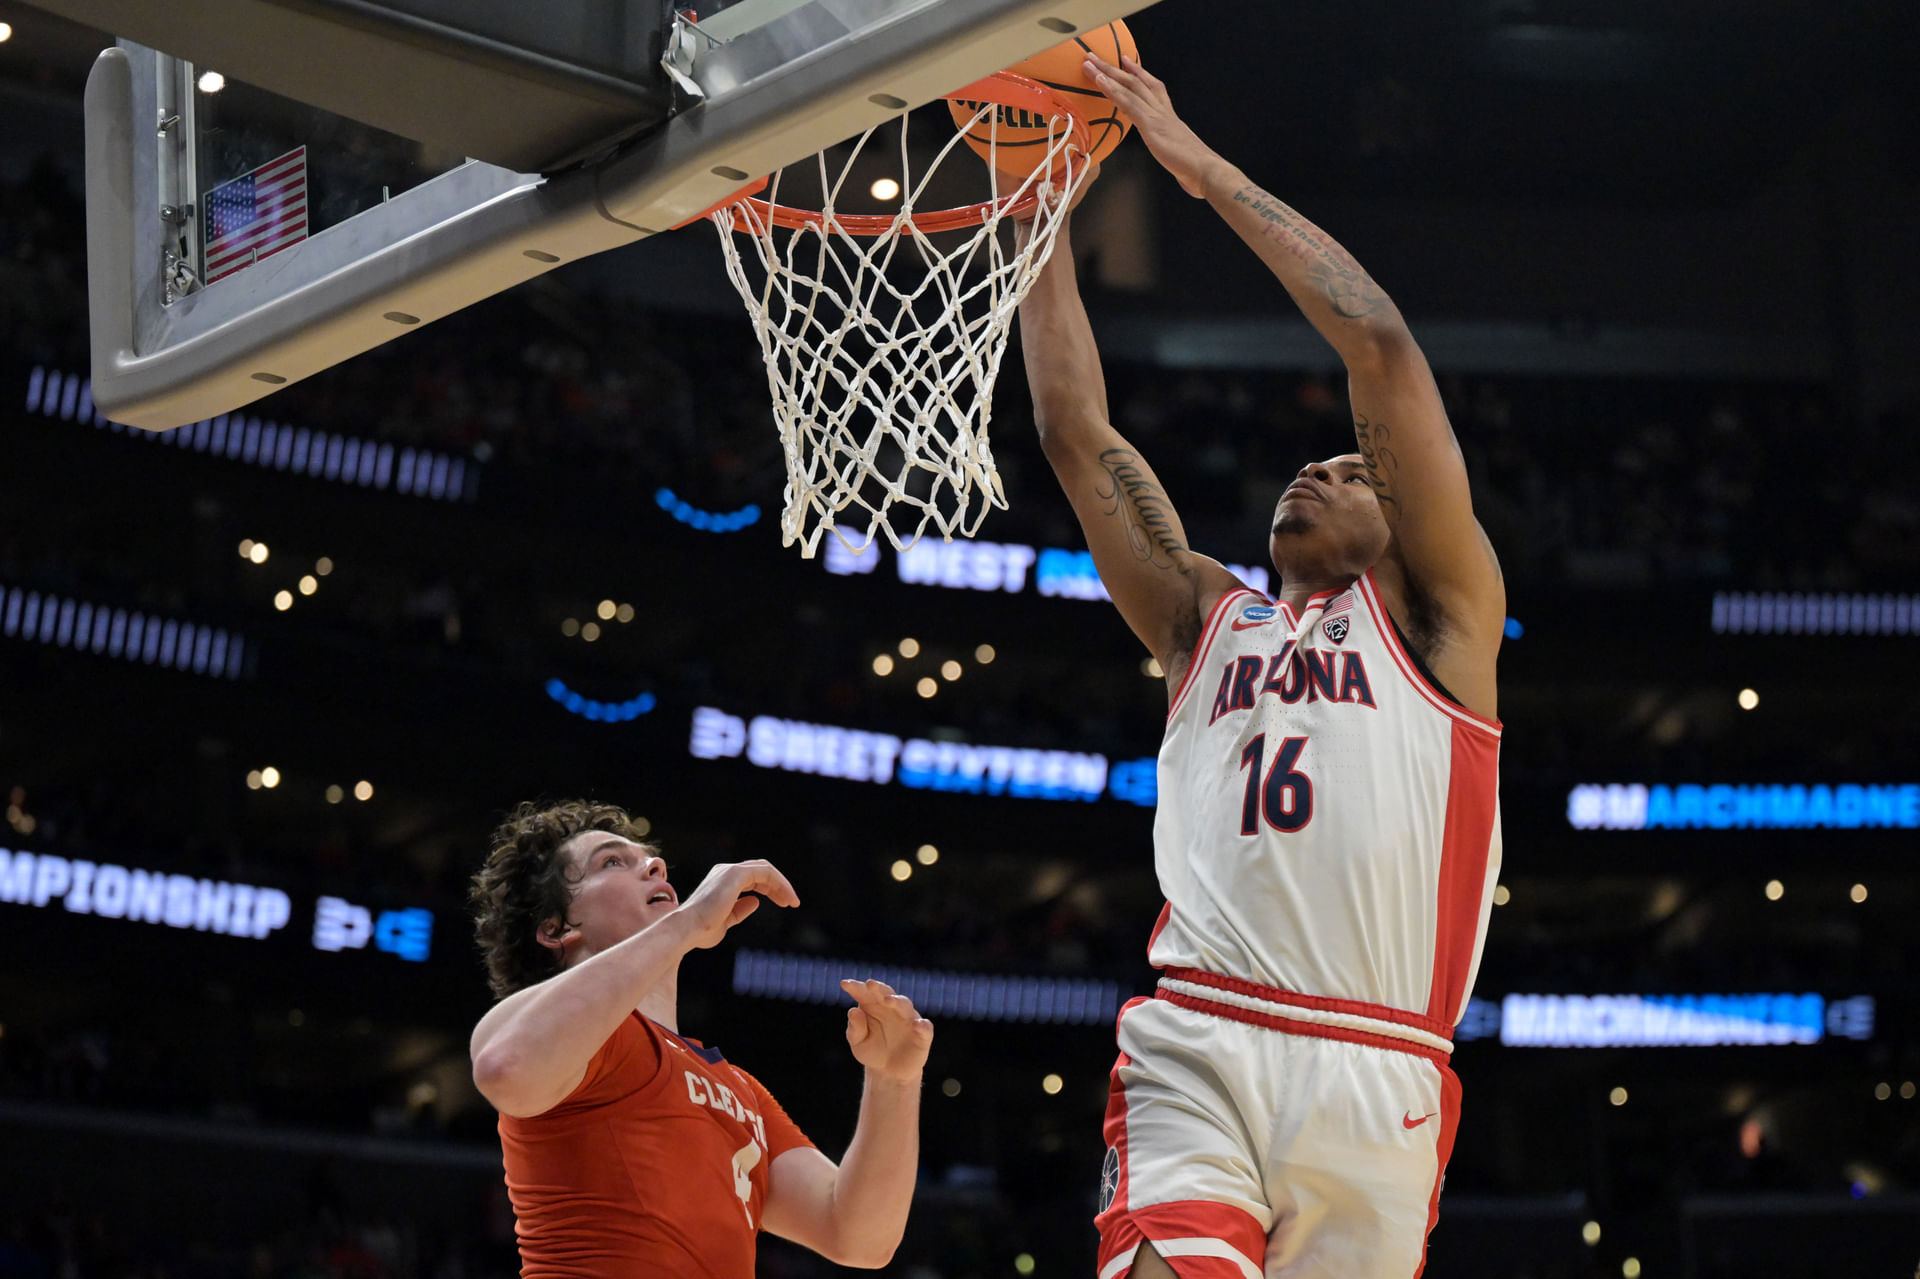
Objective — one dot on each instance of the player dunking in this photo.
(1328, 833)
(629, 1148)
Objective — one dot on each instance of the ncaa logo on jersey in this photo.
(1254, 615)
(1109, 1178)
(1335, 629)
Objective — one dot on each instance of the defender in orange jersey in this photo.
(630, 1148)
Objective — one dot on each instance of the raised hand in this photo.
(1144, 98)
(887, 1035)
(725, 897)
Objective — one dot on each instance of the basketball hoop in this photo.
(882, 387)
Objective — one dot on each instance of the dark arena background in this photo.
(257, 720)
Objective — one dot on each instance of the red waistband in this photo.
(1317, 1003)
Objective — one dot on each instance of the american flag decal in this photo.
(1339, 604)
(256, 214)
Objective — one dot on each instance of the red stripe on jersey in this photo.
(1467, 840)
(1449, 1125)
(1320, 1003)
(1207, 633)
(1383, 622)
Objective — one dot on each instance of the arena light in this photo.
(309, 584)
(256, 551)
(623, 614)
(1748, 699)
(1501, 895)
(600, 712)
(1774, 890)
(1590, 1233)
(590, 632)
(1847, 806)
(984, 654)
(210, 82)
(605, 610)
(909, 647)
(1051, 1084)
(926, 854)
(901, 871)
(1858, 893)
(283, 600)
(570, 627)
(1882, 1092)
(1023, 1263)
(1630, 1268)
(927, 686)
(6, 32)
(269, 777)
(989, 997)
(1618, 1097)
(705, 521)
(949, 670)
(1151, 668)
(363, 791)
(885, 189)
(883, 664)
(271, 445)
(335, 794)
(1907, 1091)
(950, 1087)
(246, 548)
(323, 566)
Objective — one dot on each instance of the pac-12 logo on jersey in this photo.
(1254, 615)
(1335, 628)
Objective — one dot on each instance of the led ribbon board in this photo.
(1666, 1021)
(997, 566)
(1633, 806)
(855, 755)
(253, 911)
(1073, 1001)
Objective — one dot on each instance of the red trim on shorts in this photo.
(1466, 838)
(1449, 1125)
(1321, 1003)
(1159, 926)
(1207, 633)
(1184, 1219)
(1383, 622)
(1310, 1029)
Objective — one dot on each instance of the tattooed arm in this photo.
(1441, 565)
(1162, 588)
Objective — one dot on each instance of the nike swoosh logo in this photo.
(1239, 625)
(1410, 1122)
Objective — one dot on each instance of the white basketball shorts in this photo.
(1254, 1132)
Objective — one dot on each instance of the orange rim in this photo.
(1003, 88)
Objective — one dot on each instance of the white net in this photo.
(882, 349)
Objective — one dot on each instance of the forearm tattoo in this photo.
(1349, 290)
(1133, 497)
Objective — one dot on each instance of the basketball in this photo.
(1061, 69)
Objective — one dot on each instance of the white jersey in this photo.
(1329, 822)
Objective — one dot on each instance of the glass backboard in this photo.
(448, 151)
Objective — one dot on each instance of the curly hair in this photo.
(524, 883)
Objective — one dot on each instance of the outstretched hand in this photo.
(725, 897)
(887, 1035)
(1144, 98)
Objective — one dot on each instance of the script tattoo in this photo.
(1348, 288)
(1147, 513)
(1380, 461)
